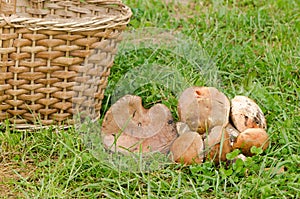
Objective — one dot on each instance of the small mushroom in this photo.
(245, 113)
(251, 137)
(203, 108)
(188, 147)
(217, 144)
(240, 156)
(129, 127)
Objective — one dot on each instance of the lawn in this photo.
(245, 47)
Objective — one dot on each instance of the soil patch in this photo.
(12, 172)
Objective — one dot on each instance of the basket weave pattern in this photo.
(55, 57)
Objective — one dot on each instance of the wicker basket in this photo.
(55, 57)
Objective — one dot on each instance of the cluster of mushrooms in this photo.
(209, 126)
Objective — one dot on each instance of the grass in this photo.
(245, 47)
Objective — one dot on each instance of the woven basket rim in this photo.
(71, 25)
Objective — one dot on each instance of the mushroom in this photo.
(203, 108)
(188, 147)
(239, 156)
(129, 127)
(251, 137)
(217, 144)
(245, 113)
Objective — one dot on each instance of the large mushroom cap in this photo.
(203, 108)
(251, 137)
(245, 113)
(217, 144)
(128, 126)
(187, 148)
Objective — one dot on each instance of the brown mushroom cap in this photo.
(217, 144)
(187, 148)
(251, 137)
(203, 107)
(245, 113)
(129, 127)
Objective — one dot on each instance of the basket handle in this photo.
(7, 7)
